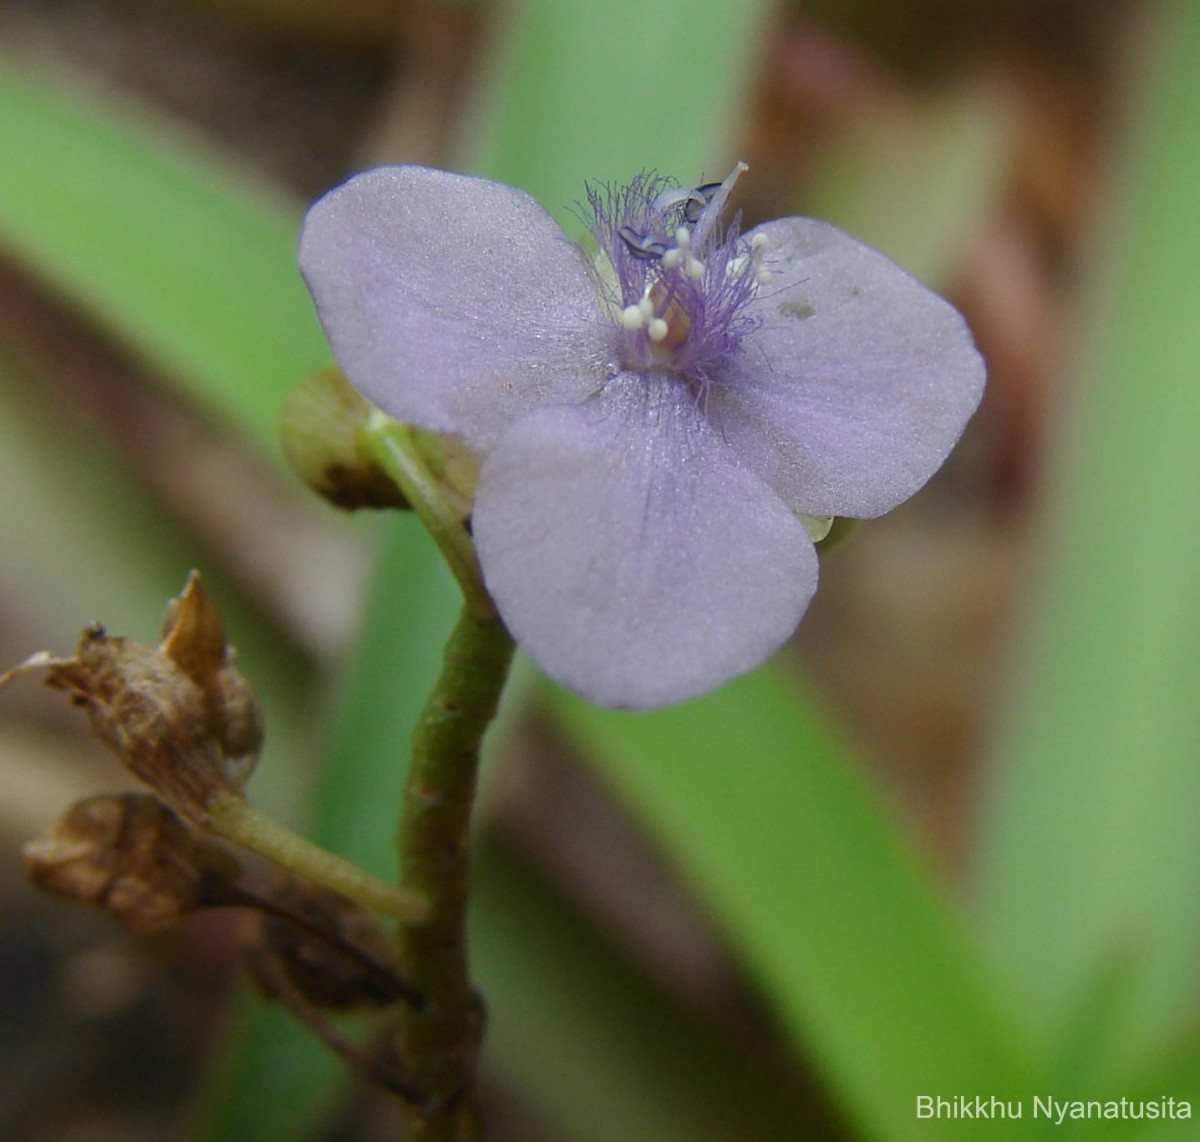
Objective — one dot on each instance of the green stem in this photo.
(438, 1044)
(236, 820)
(390, 444)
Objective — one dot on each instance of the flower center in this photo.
(682, 286)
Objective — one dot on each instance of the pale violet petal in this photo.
(453, 303)
(858, 381)
(628, 552)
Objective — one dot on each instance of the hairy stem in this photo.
(439, 1043)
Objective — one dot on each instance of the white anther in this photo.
(758, 248)
(657, 329)
(735, 267)
(683, 237)
(672, 259)
(695, 268)
(632, 318)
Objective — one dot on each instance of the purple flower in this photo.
(654, 414)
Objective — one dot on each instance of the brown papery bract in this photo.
(179, 715)
(131, 855)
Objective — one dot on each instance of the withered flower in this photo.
(131, 855)
(179, 715)
(184, 720)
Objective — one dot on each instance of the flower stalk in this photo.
(438, 1040)
(390, 444)
(234, 819)
(438, 1044)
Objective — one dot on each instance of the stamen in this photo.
(716, 203)
(693, 200)
(674, 315)
(643, 246)
(632, 318)
(669, 198)
(743, 263)
(641, 316)
(697, 200)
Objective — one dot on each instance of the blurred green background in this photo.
(942, 845)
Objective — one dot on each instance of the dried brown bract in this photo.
(131, 855)
(179, 715)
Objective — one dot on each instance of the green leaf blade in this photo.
(190, 267)
(817, 892)
(1091, 843)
